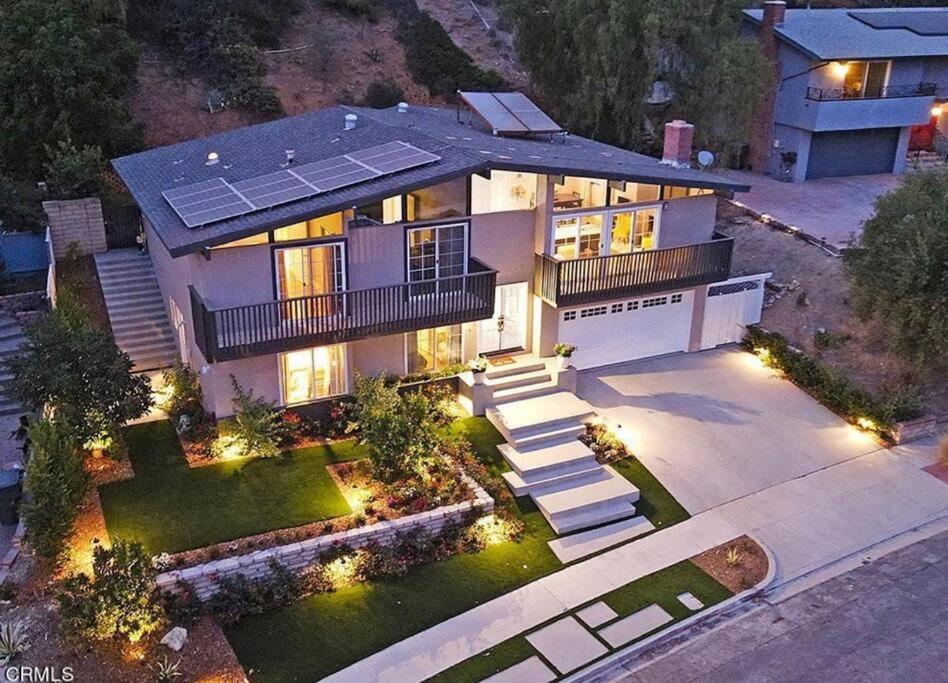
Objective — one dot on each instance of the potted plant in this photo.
(479, 369)
(563, 352)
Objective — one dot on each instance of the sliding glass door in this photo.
(310, 271)
(435, 253)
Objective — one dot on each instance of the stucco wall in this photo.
(505, 241)
(378, 354)
(174, 276)
(376, 256)
(687, 221)
(234, 276)
(260, 373)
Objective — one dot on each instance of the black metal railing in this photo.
(288, 324)
(587, 280)
(882, 92)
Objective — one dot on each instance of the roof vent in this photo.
(351, 121)
(212, 158)
(290, 155)
(403, 107)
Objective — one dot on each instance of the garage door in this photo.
(852, 152)
(626, 330)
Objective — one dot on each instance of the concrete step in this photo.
(585, 543)
(146, 346)
(602, 491)
(521, 379)
(11, 410)
(544, 434)
(532, 414)
(156, 362)
(128, 293)
(141, 326)
(501, 371)
(524, 392)
(588, 519)
(547, 459)
(575, 475)
(148, 304)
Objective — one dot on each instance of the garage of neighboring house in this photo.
(852, 152)
(626, 330)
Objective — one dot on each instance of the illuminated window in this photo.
(503, 191)
(313, 374)
(633, 192)
(324, 226)
(385, 212)
(262, 238)
(577, 236)
(433, 349)
(679, 192)
(445, 200)
(579, 193)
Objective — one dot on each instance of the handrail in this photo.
(586, 280)
(886, 92)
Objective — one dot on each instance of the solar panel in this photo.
(527, 112)
(489, 108)
(922, 22)
(215, 200)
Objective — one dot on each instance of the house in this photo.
(853, 90)
(296, 253)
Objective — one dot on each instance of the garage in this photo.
(625, 330)
(852, 152)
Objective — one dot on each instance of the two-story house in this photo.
(295, 253)
(853, 90)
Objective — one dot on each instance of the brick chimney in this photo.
(762, 132)
(679, 136)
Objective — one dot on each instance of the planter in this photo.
(562, 362)
(911, 430)
(479, 377)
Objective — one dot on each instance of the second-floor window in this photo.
(323, 226)
(618, 231)
(436, 252)
(310, 271)
(865, 79)
(503, 191)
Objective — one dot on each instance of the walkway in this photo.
(882, 621)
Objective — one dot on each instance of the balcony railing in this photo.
(288, 324)
(582, 281)
(912, 90)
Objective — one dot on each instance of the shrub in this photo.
(184, 398)
(73, 172)
(166, 670)
(21, 209)
(398, 429)
(258, 427)
(121, 602)
(56, 482)
(383, 93)
(183, 606)
(13, 641)
(238, 596)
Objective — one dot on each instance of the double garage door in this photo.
(627, 330)
(852, 152)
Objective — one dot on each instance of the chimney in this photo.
(351, 121)
(761, 137)
(402, 107)
(679, 136)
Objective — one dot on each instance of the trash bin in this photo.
(11, 488)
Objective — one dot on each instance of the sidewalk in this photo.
(807, 522)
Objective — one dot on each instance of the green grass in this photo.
(661, 588)
(655, 502)
(170, 507)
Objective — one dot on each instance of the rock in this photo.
(175, 638)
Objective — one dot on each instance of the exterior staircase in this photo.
(560, 473)
(11, 338)
(527, 377)
(136, 309)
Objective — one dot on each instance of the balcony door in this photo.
(307, 272)
(435, 253)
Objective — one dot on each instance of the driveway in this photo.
(828, 208)
(717, 426)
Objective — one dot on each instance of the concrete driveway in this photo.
(717, 426)
(828, 208)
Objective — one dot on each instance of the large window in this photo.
(437, 252)
(262, 238)
(579, 193)
(384, 212)
(865, 79)
(433, 349)
(312, 374)
(323, 226)
(577, 236)
(616, 231)
(626, 193)
(308, 271)
(438, 201)
(503, 191)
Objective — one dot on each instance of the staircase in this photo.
(527, 377)
(11, 338)
(553, 467)
(136, 309)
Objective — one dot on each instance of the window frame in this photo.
(605, 235)
(281, 366)
(462, 333)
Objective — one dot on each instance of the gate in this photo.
(123, 225)
(731, 306)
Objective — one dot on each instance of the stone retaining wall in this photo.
(297, 556)
(912, 430)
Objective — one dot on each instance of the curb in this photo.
(772, 222)
(599, 671)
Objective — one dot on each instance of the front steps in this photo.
(136, 309)
(529, 377)
(560, 473)
(11, 338)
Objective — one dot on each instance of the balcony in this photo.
(583, 281)
(888, 91)
(287, 324)
(894, 106)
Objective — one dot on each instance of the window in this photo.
(385, 212)
(436, 252)
(312, 374)
(323, 226)
(577, 236)
(503, 191)
(865, 79)
(670, 192)
(617, 308)
(655, 301)
(626, 193)
(309, 271)
(569, 315)
(676, 298)
(593, 312)
(632, 306)
(579, 193)
(438, 201)
(433, 349)
(262, 238)
(633, 231)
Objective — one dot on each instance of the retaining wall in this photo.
(298, 556)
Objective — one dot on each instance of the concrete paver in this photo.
(566, 644)
(531, 670)
(596, 614)
(635, 625)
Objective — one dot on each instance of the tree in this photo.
(257, 429)
(56, 483)
(67, 69)
(899, 272)
(66, 363)
(20, 207)
(398, 429)
(122, 601)
(73, 172)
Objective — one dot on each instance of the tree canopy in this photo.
(900, 270)
(602, 66)
(67, 68)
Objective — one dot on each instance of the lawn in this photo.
(661, 588)
(324, 633)
(170, 507)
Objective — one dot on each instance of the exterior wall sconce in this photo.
(840, 69)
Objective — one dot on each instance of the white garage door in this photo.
(626, 330)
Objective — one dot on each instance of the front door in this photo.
(507, 329)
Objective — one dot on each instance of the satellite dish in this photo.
(705, 158)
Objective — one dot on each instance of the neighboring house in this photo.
(485, 241)
(854, 90)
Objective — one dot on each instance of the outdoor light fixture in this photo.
(936, 110)
(866, 423)
(840, 69)
(212, 158)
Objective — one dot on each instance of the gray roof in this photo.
(865, 33)
(464, 149)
